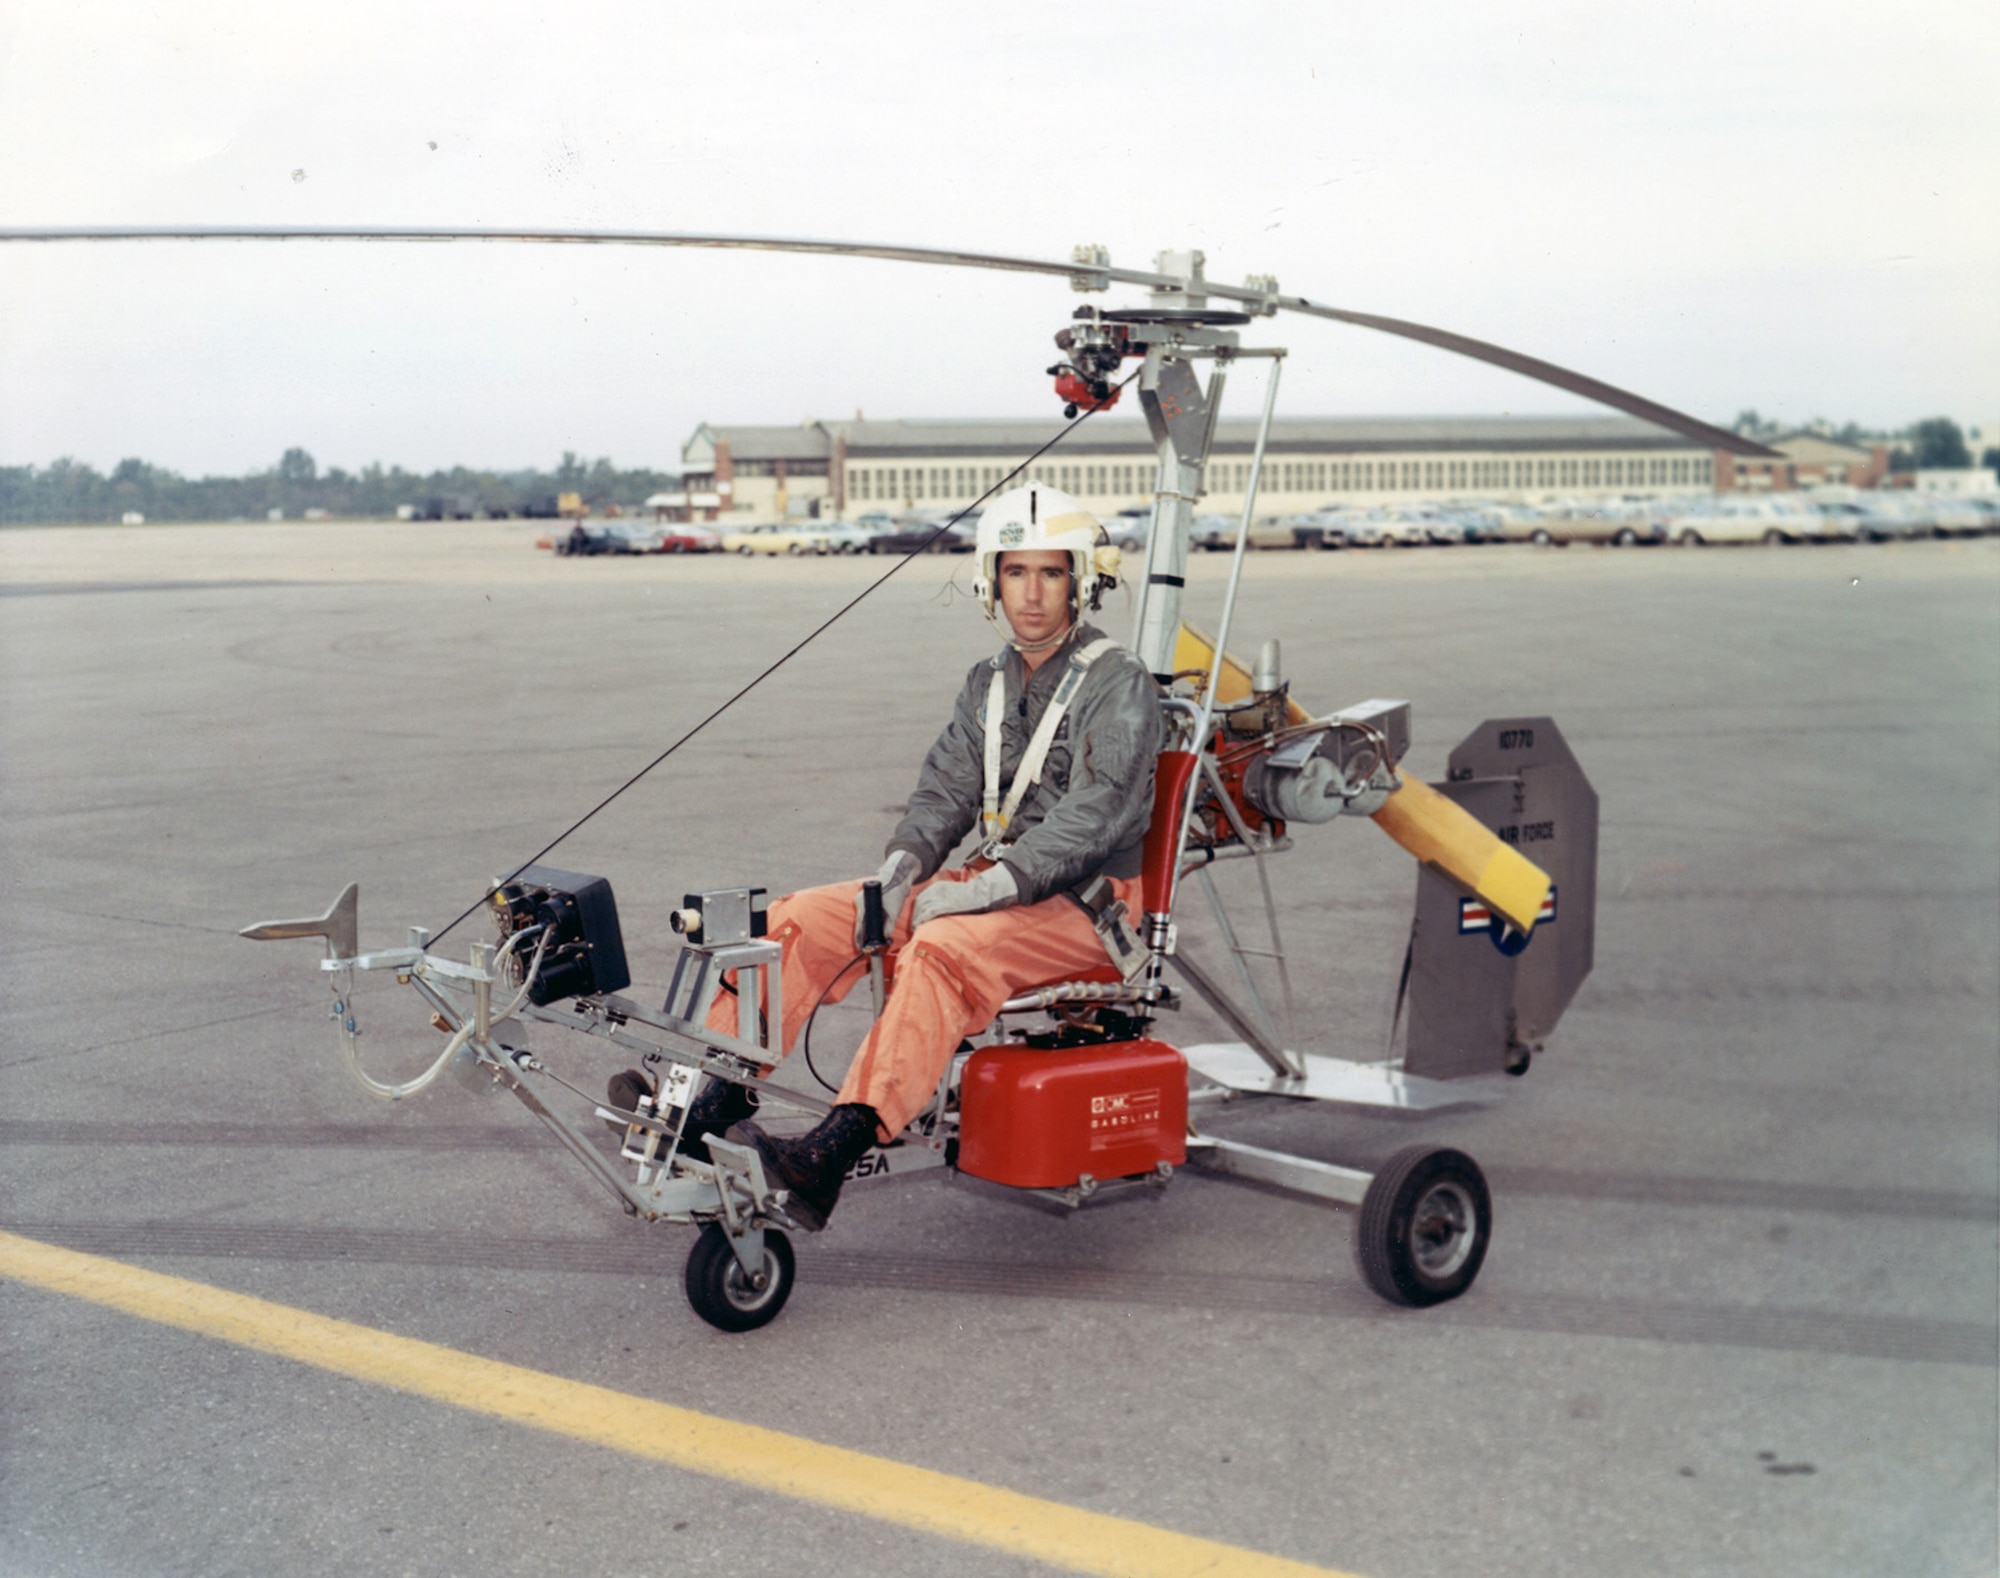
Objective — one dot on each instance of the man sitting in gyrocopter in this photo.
(1050, 753)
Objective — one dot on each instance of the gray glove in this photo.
(993, 889)
(898, 872)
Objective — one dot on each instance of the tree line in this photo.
(1935, 444)
(69, 490)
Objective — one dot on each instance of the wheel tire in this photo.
(720, 1294)
(1625, 538)
(1774, 537)
(1540, 538)
(1424, 1226)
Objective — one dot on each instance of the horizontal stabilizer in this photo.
(340, 926)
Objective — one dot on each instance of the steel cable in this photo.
(811, 636)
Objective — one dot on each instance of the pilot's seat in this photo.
(1097, 1098)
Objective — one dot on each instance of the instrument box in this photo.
(585, 955)
(1045, 1119)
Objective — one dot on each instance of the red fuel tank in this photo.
(1042, 1119)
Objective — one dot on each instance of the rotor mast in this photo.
(1174, 330)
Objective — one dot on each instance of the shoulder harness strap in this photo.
(996, 813)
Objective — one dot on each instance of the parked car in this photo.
(845, 536)
(587, 539)
(1987, 508)
(1212, 533)
(1849, 520)
(1955, 517)
(1361, 529)
(1217, 533)
(1522, 523)
(794, 539)
(1476, 522)
(1129, 530)
(1622, 523)
(1322, 528)
(913, 533)
(1406, 525)
(1743, 518)
(689, 538)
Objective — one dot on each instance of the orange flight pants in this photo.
(946, 982)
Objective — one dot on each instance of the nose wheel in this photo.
(1425, 1223)
(729, 1297)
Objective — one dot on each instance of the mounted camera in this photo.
(721, 917)
(585, 951)
(1093, 349)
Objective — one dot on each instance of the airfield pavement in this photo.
(1740, 1311)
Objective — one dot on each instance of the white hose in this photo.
(411, 1087)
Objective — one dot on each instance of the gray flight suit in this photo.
(1089, 811)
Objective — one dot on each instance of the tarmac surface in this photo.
(1740, 1311)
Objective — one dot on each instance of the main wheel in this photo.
(1626, 537)
(1540, 537)
(1425, 1223)
(721, 1293)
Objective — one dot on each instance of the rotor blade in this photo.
(1095, 276)
(1542, 372)
(1099, 275)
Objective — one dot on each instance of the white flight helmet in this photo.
(1039, 516)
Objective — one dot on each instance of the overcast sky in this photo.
(1792, 207)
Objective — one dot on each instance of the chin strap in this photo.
(1046, 644)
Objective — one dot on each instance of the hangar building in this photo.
(847, 469)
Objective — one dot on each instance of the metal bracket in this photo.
(1298, 1173)
(1246, 1070)
(747, 1194)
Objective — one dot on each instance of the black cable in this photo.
(773, 668)
(806, 1036)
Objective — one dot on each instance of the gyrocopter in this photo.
(1077, 1087)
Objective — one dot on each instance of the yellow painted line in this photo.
(914, 1498)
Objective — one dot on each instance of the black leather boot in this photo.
(716, 1105)
(811, 1167)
